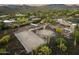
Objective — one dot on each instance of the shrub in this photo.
(43, 50)
(58, 30)
(61, 43)
(5, 39)
(2, 50)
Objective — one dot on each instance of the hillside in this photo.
(6, 9)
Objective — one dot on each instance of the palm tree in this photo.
(61, 44)
(76, 37)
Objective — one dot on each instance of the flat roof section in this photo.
(29, 40)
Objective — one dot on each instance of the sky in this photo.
(39, 1)
(39, 4)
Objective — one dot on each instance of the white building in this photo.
(4, 16)
(9, 22)
(61, 21)
(34, 24)
(72, 27)
(19, 15)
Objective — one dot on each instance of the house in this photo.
(61, 21)
(34, 18)
(72, 26)
(29, 40)
(31, 17)
(32, 24)
(3, 16)
(19, 15)
(67, 33)
(8, 22)
(67, 24)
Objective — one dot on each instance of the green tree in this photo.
(5, 39)
(14, 25)
(1, 25)
(22, 20)
(58, 30)
(48, 20)
(43, 50)
(2, 50)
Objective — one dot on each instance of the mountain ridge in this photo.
(19, 8)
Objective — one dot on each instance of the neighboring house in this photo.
(72, 27)
(31, 17)
(19, 15)
(67, 23)
(66, 30)
(61, 21)
(8, 22)
(3, 16)
(34, 18)
(32, 24)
